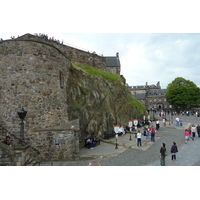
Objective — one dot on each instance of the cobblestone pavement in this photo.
(128, 154)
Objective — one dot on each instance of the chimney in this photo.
(117, 54)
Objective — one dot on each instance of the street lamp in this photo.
(22, 114)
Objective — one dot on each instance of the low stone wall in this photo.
(57, 143)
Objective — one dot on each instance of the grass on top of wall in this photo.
(137, 104)
(96, 72)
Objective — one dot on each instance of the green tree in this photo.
(183, 94)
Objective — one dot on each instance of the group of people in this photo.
(147, 132)
(191, 132)
(179, 121)
(45, 36)
(163, 153)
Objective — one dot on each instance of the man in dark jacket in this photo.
(163, 154)
(198, 130)
(174, 150)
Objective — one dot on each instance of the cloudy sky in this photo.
(144, 57)
(156, 40)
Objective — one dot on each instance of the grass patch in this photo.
(137, 104)
(96, 72)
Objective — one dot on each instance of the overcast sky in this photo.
(155, 43)
(144, 57)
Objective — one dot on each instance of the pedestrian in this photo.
(174, 150)
(153, 132)
(89, 164)
(187, 135)
(198, 130)
(164, 121)
(177, 121)
(100, 164)
(193, 130)
(181, 121)
(190, 132)
(157, 124)
(146, 136)
(163, 153)
(139, 136)
(7, 140)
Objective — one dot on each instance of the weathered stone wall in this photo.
(30, 78)
(66, 148)
(57, 143)
(73, 54)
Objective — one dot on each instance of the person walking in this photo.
(139, 136)
(153, 132)
(174, 150)
(146, 136)
(198, 130)
(190, 132)
(187, 136)
(193, 130)
(157, 124)
(163, 151)
(177, 121)
(181, 121)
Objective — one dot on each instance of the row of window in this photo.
(156, 100)
(157, 106)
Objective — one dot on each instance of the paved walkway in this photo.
(128, 154)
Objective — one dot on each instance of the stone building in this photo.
(113, 64)
(151, 96)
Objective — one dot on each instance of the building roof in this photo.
(141, 96)
(157, 92)
(112, 61)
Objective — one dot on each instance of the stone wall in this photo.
(30, 78)
(73, 54)
(35, 74)
(57, 143)
(6, 155)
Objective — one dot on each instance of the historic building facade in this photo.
(151, 96)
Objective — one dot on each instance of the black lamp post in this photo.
(22, 114)
(116, 137)
(130, 133)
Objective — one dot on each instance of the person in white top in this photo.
(177, 121)
(139, 142)
(157, 124)
(193, 130)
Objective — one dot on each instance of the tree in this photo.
(183, 94)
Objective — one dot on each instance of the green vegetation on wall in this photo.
(96, 72)
(136, 104)
(113, 78)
